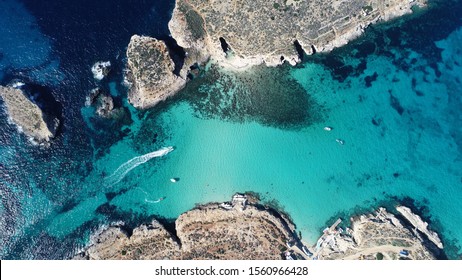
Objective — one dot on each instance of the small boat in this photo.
(340, 141)
(174, 180)
(327, 128)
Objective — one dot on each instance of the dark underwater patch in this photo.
(394, 102)
(265, 95)
(369, 79)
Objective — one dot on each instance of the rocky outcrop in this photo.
(214, 232)
(27, 116)
(420, 225)
(249, 32)
(148, 242)
(101, 69)
(380, 235)
(150, 72)
(236, 230)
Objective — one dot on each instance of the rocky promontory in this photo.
(150, 72)
(246, 230)
(379, 235)
(234, 230)
(28, 116)
(249, 32)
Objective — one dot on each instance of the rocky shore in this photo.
(379, 235)
(243, 229)
(243, 33)
(38, 126)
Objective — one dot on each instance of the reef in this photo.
(150, 72)
(244, 229)
(30, 119)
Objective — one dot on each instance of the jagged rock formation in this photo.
(150, 72)
(101, 69)
(104, 104)
(420, 225)
(374, 236)
(240, 33)
(27, 116)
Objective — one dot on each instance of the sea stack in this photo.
(150, 72)
(27, 116)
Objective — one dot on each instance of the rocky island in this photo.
(238, 34)
(28, 116)
(150, 72)
(244, 229)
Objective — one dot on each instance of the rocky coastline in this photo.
(244, 229)
(30, 119)
(245, 33)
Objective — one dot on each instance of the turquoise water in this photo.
(393, 97)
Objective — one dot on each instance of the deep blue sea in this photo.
(393, 96)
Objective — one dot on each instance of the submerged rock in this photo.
(150, 72)
(27, 116)
(101, 69)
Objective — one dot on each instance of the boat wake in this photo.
(126, 167)
(154, 201)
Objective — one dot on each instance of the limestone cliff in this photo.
(29, 118)
(150, 72)
(260, 31)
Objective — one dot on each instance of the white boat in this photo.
(340, 141)
(174, 180)
(327, 128)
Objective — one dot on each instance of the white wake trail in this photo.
(126, 167)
